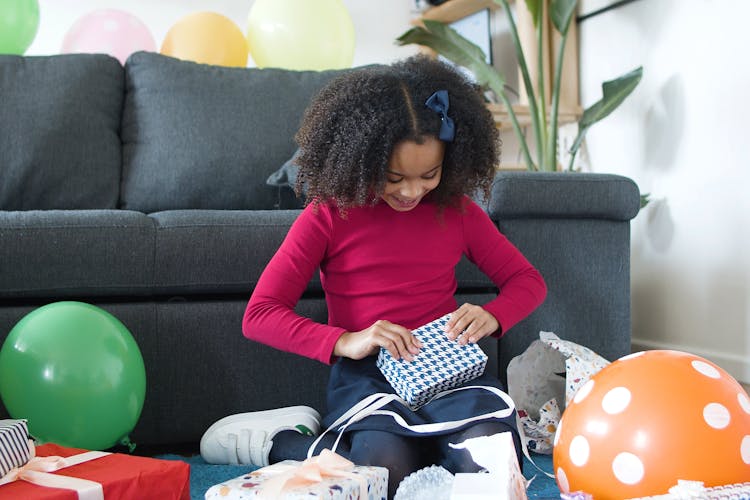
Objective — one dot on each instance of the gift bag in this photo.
(441, 364)
(503, 479)
(15, 446)
(543, 380)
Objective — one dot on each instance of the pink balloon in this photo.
(108, 31)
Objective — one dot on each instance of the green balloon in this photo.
(75, 373)
(19, 21)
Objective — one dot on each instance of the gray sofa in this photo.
(142, 189)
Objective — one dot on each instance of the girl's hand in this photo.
(473, 321)
(396, 339)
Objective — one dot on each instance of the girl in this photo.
(389, 157)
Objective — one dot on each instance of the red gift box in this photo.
(122, 477)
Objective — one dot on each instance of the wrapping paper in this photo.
(123, 477)
(15, 446)
(441, 364)
(543, 380)
(299, 485)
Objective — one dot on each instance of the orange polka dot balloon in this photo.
(650, 419)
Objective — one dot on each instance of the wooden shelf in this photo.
(453, 10)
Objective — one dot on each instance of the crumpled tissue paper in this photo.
(542, 378)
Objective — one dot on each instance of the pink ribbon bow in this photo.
(312, 471)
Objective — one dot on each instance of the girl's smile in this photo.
(413, 171)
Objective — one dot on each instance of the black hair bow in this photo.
(438, 102)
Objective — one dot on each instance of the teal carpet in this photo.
(203, 476)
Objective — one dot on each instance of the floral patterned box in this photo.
(344, 487)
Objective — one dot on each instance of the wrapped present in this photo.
(60, 473)
(503, 479)
(15, 446)
(441, 364)
(326, 476)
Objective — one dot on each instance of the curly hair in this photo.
(352, 125)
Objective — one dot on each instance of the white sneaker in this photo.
(246, 438)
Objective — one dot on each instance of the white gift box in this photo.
(15, 446)
(441, 364)
(291, 481)
(503, 481)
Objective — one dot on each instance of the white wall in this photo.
(376, 24)
(683, 137)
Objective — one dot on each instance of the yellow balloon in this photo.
(300, 34)
(208, 38)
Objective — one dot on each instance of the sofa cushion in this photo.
(561, 195)
(197, 136)
(75, 253)
(60, 145)
(216, 251)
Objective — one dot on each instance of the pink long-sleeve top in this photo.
(378, 263)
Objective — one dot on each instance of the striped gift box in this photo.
(15, 446)
(441, 364)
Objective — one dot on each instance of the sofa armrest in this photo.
(563, 195)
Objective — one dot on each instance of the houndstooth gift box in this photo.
(15, 446)
(441, 364)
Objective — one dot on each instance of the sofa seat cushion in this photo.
(60, 145)
(75, 253)
(197, 136)
(217, 251)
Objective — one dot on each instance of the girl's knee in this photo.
(379, 448)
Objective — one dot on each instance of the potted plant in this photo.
(450, 44)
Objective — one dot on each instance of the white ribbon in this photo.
(37, 471)
(371, 406)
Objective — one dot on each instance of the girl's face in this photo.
(413, 171)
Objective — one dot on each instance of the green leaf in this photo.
(614, 93)
(535, 7)
(450, 44)
(561, 12)
(446, 32)
(645, 199)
